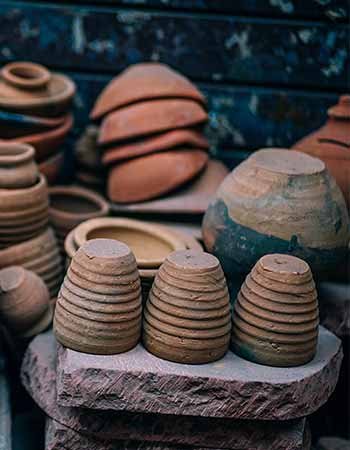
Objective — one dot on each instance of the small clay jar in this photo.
(17, 166)
(187, 315)
(275, 317)
(99, 306)
(24, 300)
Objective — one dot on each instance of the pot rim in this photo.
(12, 153)
(26, 75)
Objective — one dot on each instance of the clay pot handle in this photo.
(26, 75)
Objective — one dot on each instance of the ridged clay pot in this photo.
(275, 317)
(187, 315)
(99, 305)
(278, 201)
(17, 166)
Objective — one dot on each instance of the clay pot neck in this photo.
(13, 153)
(26, 75)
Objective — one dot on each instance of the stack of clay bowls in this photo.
(34, 106)
(331, 143)
(151, 132)
(71, 205)
(99, 308)
(187, 316)
(278, 201)
(24, 302)
(275, 317)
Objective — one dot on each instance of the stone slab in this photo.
(5, 408)
(39, 378)
(232, 387)
(333, 443)
(334, 300)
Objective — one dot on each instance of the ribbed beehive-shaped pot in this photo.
(275, 317)
(99, 305)
(187, 314)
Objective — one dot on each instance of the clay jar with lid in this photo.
(275, 317)
(17, 166)
(187, 315)
(278, 201)
(99, 305)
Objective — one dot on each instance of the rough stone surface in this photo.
(5, 409)
(334, 302)
(232, 387)
(333, 443)
(39, 378)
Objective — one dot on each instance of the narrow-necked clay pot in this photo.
(187, 316)
(51, 167)
(17, 166)
(275, 318)
(144, 81)
(99, 307)
(145, 118)
(87, 152)
(278, 201)
(151, 176)
(162, 142)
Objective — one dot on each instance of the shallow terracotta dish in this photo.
(144, 81)
(17, 166)
(145, 118)
(51, 167)
(151, 176)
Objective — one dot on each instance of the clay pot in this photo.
(150, 176)
(31, 89)
(278, 201)
(86, 150)
(99, 307)
(275, 317)
(144, 81)
(187, 314)
(331, 143)
(17, 166)
(51, 167)
(24, 300)
(145, 118)
(163, 142)
(92, 180)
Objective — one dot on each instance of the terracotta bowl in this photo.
(187, 315)
(17, 166)
(275, 318)
(51, 167)
(293, 206)
(99, 307)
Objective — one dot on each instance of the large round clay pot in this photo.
(17, 166)
(278, 201)
(99, 306)
(275, 317)
(187, 315)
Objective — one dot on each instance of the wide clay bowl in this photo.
(151, 176)
(51, 167)
(275, 317)
(187, 315)
(99, 306)
(146, 118)
(292, 206)
(17, 166)
(144, 81)
(24, 299)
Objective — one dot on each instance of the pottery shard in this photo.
(150, 117)
(333, 443)
(150, 176)
(143, 82)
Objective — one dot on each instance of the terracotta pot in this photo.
(275, 318)
(293, 206)
(151, 176)
(150, 117)
(163, 142)
(30, 88)
(187, 316)
(17, 166)
(331, 143)
(99, 308)
(51, 167)
(144, 81)
(86, 151)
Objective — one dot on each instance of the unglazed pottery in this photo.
(17, 166)
(153, 175)
(187, 315)
(144, 81)
(51, 167)
(145, 118)
(91, 179)
(86, 151)
(331, 143)
(275, 317)
(99, 306)
(278, 201)
(162, 142)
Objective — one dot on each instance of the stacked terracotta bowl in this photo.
(151, 132)
(187, 317)
(99, 308)
(34, 109)
(275, 318)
